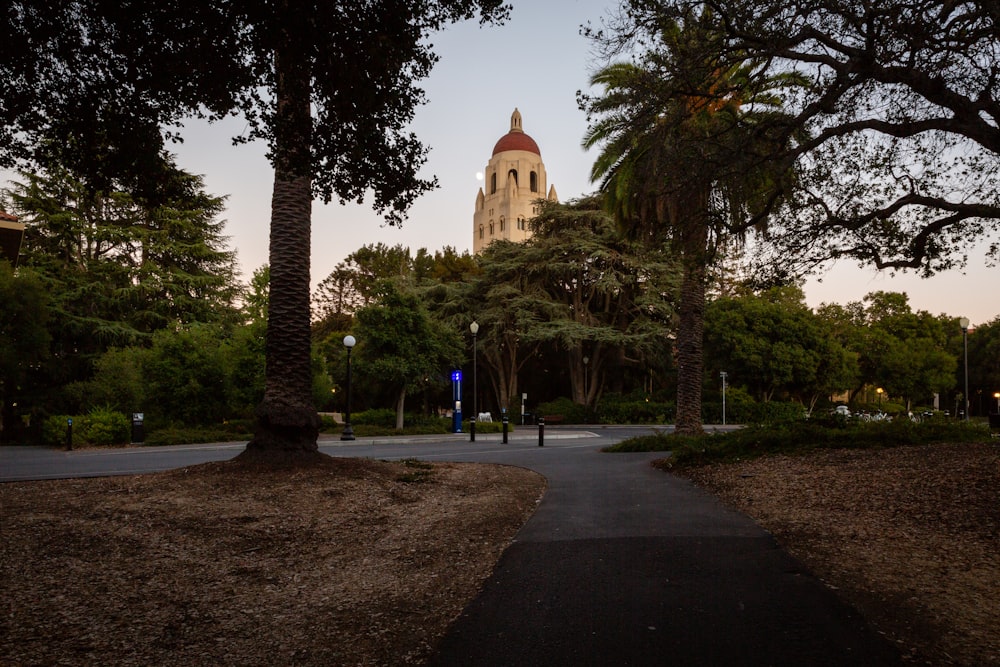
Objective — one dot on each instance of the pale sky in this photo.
(536, 63)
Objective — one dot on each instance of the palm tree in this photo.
(690, 156)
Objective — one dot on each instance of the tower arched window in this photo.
(480, 231)
(534, 182)
(512, 175)
(502, 221)
(493, 183)
(491, 228)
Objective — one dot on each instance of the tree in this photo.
(120, 267)
(902, 115)
(908, 354)
(24, 336)
(984, 365)
(772, 343)
(686, 143)
(354, 282)
(329, 87)
(400, 345)
(605, 299)
(493, 290)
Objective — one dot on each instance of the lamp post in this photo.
(723, 375)
(879, 392)
(586, 372)
(348, 433)
(474, 328)
(996, 395)
(964, 323)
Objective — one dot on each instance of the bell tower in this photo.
(514, 180)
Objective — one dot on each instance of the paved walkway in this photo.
(623, 564)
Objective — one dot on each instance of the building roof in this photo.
(7, 216)
(516, 139)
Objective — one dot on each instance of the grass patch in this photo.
(753, 442)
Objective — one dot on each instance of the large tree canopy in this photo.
(900, 168)
(330, 87)
(687, 141)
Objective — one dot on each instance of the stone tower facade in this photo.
(514, 180)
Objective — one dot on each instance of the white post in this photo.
(722, 374)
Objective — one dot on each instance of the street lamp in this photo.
(723, 375)
(996, 395)
(348, 433)
(474, 328)
(964, 323)
(586, 362)
(879, 391)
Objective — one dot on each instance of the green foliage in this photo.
(103, 426)
(773, 345)
(799, 436)
(572, 413)
(485, 427)
(188, 375)
(894, 173)
(401, 347)
(24, 337)
(106, 112)
(54, 429)
(384, 417)
(327, 424)
(617, 409)
(232, 431)
(984, 365)
(244, 359)
(382, 421)
(118, 381)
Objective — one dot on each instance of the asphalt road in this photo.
(620, 565)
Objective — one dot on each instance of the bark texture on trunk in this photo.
(286, 419)
(690, 358)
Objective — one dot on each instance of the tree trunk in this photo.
(287, 421)
(690, 360)
(400, 403)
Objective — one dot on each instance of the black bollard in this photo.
(472, 430)
(505, 429)
(541, 431)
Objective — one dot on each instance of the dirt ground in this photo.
(350, 562)
(357, 562)
(910, 536)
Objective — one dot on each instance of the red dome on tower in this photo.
(516, 139)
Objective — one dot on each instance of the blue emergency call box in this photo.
(456, 395)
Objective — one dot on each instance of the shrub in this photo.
(572, 413)
(616, 409)
(384, 417)
(103, 426)
(54, 429)
(799, 436)
(487, 427)
(230, 432)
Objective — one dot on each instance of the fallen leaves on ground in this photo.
(909, 535)
(344, 562)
